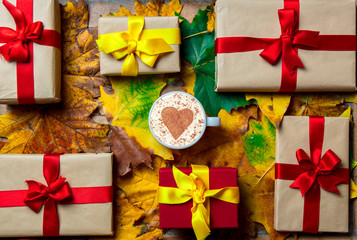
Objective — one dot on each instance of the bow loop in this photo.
(145, 45)
(15, 47)
(196, 187)
(290, 38)
(38, 193)
(320, 173)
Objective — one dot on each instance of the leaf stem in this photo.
(193, 35)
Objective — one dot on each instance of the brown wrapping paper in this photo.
(47, 60)
(80, 170)
(247, 71)
(289, 204)
(166, 63)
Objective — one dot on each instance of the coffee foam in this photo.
(179, 101)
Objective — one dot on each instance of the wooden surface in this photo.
(99, 7)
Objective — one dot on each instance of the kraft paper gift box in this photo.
(82, 205)
(168, 62)
(223, 212)
(322, 177)
(30, 62)
(265, 47)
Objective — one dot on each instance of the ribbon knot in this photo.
(290, 39)
(56, 191)
(146, 44)
(15, 47)
(196, 187)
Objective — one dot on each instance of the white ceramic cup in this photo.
(180, 101)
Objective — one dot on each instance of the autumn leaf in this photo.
(211, 23)
(123, 12)
(125, 227)
(141, 187)
(127, 152)
(152, 8)
(272, 105)
(171, 8)
(259, 142)
(198, 49)
(66, 127)
(80, 52)
(133, 98)
(327, 105)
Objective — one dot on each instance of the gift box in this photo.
(286, 46)
(30, 51)
(133, 46)
(176, 208)
(55, 195)
(312, 175)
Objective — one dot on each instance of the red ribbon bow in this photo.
(16, 47)
(289, 39)
(58, 190)
(322, 173)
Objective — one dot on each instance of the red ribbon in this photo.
(56, 192)
(287, 44)
(19, 45)
(312, 173)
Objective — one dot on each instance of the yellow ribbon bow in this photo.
(146, 44)
(196, 187)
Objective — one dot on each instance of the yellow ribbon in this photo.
(147, 44)
(196, 187)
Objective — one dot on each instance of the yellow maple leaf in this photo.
(125, 216)
(353, 189)
(66, 127)
(272, 105)
(133, 98)
(211, 23)
(188, 76)
(327, 105)
(347, 113)
(141, 190)
(123, 12)
(152, 8)
(170, 8)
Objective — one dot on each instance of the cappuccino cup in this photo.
(178, 120)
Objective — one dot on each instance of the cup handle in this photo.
(213, 121)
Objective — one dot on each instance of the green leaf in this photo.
(198, 49)
(259, 142)
(133, 100)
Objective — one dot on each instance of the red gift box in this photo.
(222, 214)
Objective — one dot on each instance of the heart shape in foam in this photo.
(177, 121)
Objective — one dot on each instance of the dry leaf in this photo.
(272, 105)
(141, 187)
(127, 152)
(152, 8)
(188, 76)
(211, 24)
(80, 52)
(123, 12)
(58, 128)
(125, 216)
(327, 105)
(170, 8)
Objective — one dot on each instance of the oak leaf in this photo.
(127, 152)
(272, 105)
